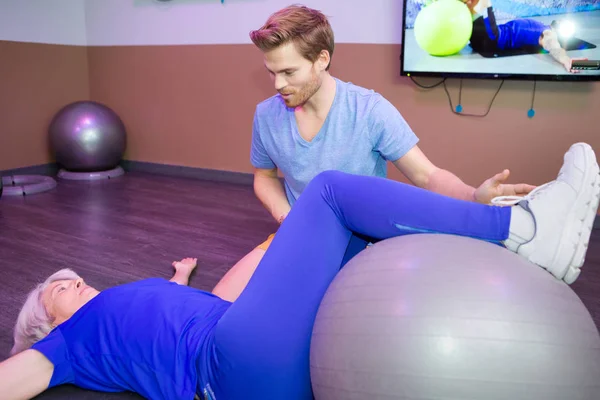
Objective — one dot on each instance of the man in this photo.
(316, 123)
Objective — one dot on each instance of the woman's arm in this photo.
(550, 43)
(25, 375)
(183, 270)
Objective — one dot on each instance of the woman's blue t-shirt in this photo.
(152, 337)
(518, 33)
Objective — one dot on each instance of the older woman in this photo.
(165, 340)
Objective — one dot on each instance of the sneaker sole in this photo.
(576, 235)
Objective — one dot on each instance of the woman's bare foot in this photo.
(482, 5)
(183, 270)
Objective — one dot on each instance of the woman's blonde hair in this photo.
(34, 322)
(307, 28)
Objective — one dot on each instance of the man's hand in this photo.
(281, 218)
(495, 187)
(269, 190)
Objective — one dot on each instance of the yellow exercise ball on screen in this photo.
(443, 27)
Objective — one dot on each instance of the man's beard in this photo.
(306, 92)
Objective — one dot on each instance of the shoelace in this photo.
(512, 200)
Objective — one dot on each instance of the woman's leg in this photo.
(235, 280)
(231, 285)
(356, 244)
(262, 342)
(484, 38)
(492, 22)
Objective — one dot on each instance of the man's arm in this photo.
(25, 375)
(270, 192)
(267, 186)
(424, 174)
(393, 138)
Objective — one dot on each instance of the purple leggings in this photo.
(261, 344)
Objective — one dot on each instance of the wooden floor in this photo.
(133, 227)
(117, 231)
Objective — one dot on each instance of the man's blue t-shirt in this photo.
(152, 337)
(362, 131)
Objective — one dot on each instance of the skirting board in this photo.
(44, 169)
(238, 178)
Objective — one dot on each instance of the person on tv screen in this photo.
(489, 37)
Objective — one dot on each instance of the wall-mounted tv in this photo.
(504, 39)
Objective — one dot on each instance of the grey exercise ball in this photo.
(87, 136)
(443, 317)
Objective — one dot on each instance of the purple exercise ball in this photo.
(445, 317)
(87, 136)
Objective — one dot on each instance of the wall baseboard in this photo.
(238, 178)
(50, 169)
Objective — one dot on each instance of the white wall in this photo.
(150, 22)
(43, 21)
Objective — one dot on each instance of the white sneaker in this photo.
(563, 211)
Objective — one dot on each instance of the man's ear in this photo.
(323, 60)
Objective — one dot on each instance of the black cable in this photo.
(472, 115)
(427, 87)
(533, 94)
(443, 82)
(531, 112)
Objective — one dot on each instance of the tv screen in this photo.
(507, 39)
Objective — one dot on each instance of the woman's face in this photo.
(63, 298)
